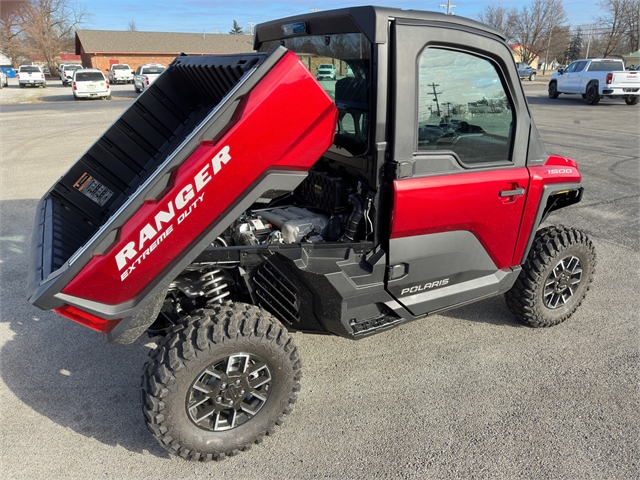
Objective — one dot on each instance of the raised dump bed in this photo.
(164, 158)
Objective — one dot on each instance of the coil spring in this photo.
(215, 284)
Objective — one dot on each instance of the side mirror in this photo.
(561, 71)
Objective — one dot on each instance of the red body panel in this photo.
(286, 122)
(555, 170)
(466, 201)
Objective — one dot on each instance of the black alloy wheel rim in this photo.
(563, 281)
(229, 392)
(591, 94)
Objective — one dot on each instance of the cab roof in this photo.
(371, 20)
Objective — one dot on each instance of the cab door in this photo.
(459, 157)
(569, 81)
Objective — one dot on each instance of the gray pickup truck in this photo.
(526, 71)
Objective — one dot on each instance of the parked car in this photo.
(146, 75)
(3, 80)
(526, 71)
(120, 73)
(326, 71)
(66, 74)
(31, 75)
(90, 83)
(595, 79)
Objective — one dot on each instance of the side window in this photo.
(580, 66)
(462, 106)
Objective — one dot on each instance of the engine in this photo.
(280, 225)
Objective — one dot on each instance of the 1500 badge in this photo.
(425, 286)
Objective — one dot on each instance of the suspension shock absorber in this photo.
(215, 285)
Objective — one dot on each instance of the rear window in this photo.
(152, 70)
(72, 67)
(29, 69)
(120, 67)
(605, 67)
(89, 77)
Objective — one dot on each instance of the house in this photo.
(102, 48)
(518, 51)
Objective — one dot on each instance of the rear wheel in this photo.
(555, 277)
(553, 90)
(593, 97)
(219, 382)
(632, 100)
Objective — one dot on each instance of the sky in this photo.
(215, 16)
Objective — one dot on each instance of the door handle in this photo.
(516, 192)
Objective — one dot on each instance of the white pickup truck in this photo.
(120, 73)
(595, 79)
(146, 75)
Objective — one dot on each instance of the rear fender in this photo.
(554, 185)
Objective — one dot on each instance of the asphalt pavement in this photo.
(467, 394)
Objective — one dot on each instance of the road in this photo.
(469, 393)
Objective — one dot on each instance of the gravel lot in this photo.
(470, 393)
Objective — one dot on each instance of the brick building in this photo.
(102, 48)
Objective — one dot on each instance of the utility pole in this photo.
(546, 57)
(589, 41)
(448, 6)
(251, 24)
(435, 94)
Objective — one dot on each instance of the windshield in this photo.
(341, 64)
(89, 77)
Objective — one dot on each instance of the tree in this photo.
(575, 46)
(49, 26)
(11, 33)
(536, 23)
(132, 26)
(237, 29)
(500, 18)
(532, 28)
(618, 27)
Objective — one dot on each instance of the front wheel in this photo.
(532, 77)
(219, 382)
(593, 97)
(553, 90)
(632, 100)
(555, 277)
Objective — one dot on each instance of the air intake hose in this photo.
(354, 219)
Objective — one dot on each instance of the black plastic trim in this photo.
(542, 212)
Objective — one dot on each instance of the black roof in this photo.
(371, 20)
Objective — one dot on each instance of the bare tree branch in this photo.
(49, 26)
(500, 18)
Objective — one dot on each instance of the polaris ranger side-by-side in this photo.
(239, 199)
